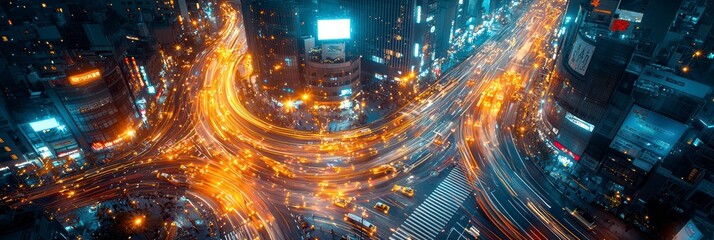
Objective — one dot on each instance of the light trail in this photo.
(256, 168)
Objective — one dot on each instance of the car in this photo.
(473, 231)
(383, 169)
(382, 207)
(408, 191)
(404, 190)
(304, 224)
(342, 202)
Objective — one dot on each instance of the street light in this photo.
(138, 221)
(697, 53)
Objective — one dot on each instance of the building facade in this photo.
(97, 100)
(272, 31)
(332, 77)
(628, 109)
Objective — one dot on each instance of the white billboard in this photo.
(333, 29)
(580, 55)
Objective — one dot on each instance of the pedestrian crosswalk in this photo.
(431, 215)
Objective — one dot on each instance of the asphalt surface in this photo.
(452, 145)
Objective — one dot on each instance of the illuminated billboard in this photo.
(647, 135)
(44, 124)
(333, 29)
(579, 122)
(85, 77)
(652, 76)
(690, 231)
(580, 55)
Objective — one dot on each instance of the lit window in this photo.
(4, 38)
(418, 14)
(7, 149)
(1, 140)
(14, 157)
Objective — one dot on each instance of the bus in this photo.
(361, 224)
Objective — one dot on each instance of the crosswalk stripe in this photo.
(438, 208)
(432, 220)
(435, 211)
(443, 197)
(443, 207)
(461, 182)
(449, 194)
(399, 234)
(456, 189)
(418, 229)
(457, 183)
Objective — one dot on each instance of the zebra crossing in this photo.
(431, 215)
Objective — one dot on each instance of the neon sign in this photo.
(85, 77)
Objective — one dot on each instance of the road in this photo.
(258, 179)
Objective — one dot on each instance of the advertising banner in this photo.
(580, 55)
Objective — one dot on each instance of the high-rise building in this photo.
(630, 103)
(30, 223)
(396, 41)
(67, 52)
(96, 98)
(400, 42)
(331, 76)
(272, 29)
(389, 36)
(143, 10)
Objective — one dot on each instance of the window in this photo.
(14, 157)
(7, 149)
(1, 140)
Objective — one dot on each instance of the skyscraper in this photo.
(272, 31)
(626, 103)
(388, 37)
(399, 40)
(96, 98)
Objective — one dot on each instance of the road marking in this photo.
(431, 215)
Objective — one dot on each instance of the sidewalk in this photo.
(612, 227)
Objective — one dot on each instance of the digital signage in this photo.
(647, 135)
(580, 55)
(690, 231)
(85, 77)
(333, 29)
(44, 124)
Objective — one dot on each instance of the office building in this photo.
(391, 37)
(96, 98)
(30, 223)
(330, 74)
(272, 31)
(630, 104)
